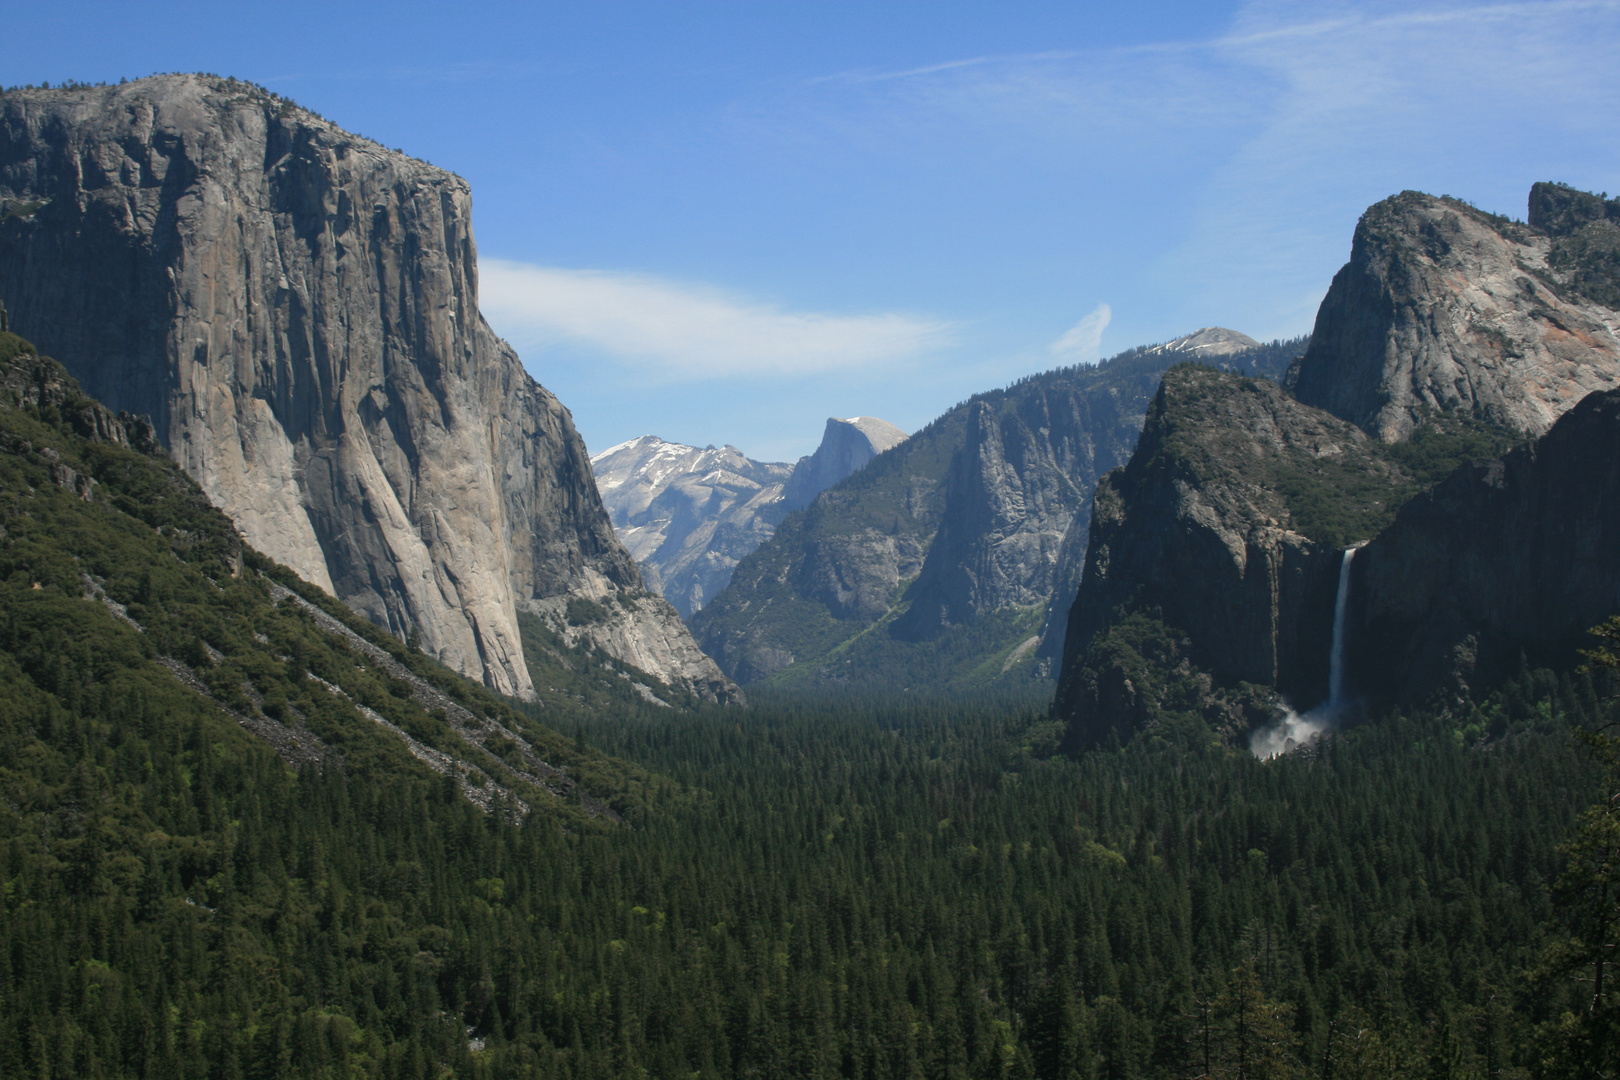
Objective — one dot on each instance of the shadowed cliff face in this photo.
(1213, 557)
(1508, 558)
(1014, 490)
(964, 519)
(296, 307)
(1213, 530)
(1445, 308)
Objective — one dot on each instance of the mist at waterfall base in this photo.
(1296, 729)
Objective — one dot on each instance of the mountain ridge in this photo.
(1213, 569)
(870, 587)
(687, 515)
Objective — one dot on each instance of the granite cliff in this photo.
(1212, 566)
(296, 308)
(1508, 559)
(936, 566)
(1444, 308)
(687, 515)
(846, 446)
(1213, 560)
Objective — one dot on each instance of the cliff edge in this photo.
(296, 308)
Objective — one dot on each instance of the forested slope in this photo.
(246, 834)
(190, 737)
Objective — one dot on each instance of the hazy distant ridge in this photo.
(688, 515)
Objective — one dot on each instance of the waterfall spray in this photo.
(1295, 729)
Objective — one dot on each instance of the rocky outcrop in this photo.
(1583, 232)
(949, 549)
(1505, 560)
(1451, 334)
(1443, 308)
(687, 515)
(28, 379)
(1218, 530)
(1216, 346)
(296, 308)
(1016, 483)
(846, 447)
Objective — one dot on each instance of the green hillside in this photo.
(244, 834)
(181, 720)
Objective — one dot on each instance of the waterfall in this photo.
(1341, 603)
(1296, 729)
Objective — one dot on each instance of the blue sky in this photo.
(725, 222)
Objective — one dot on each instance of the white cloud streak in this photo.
(1082, 342)
(1284, 127)
(676, 331)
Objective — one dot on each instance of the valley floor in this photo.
(917, 891)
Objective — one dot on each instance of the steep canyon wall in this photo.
(296, 308)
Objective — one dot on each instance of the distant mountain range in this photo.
(950, 561)
(687, 515)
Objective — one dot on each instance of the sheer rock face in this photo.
(296, 308)
(1195, 530)
(846, 447)
(1504, 559)
(1442, 307)
(1015, 487)
(1210, 546)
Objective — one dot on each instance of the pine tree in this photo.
(1257, 1041)
(1584, 1040)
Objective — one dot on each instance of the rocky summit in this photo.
(296, 307)
(1445, 308)
(846, 447)
(688, 515)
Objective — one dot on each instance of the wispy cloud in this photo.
(1082, 342)
(867, 76)
(679, 331)
(1281, 130)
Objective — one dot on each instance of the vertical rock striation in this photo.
(296, 308)
(1509, 558)
(1449, 335)
(1215, 530)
